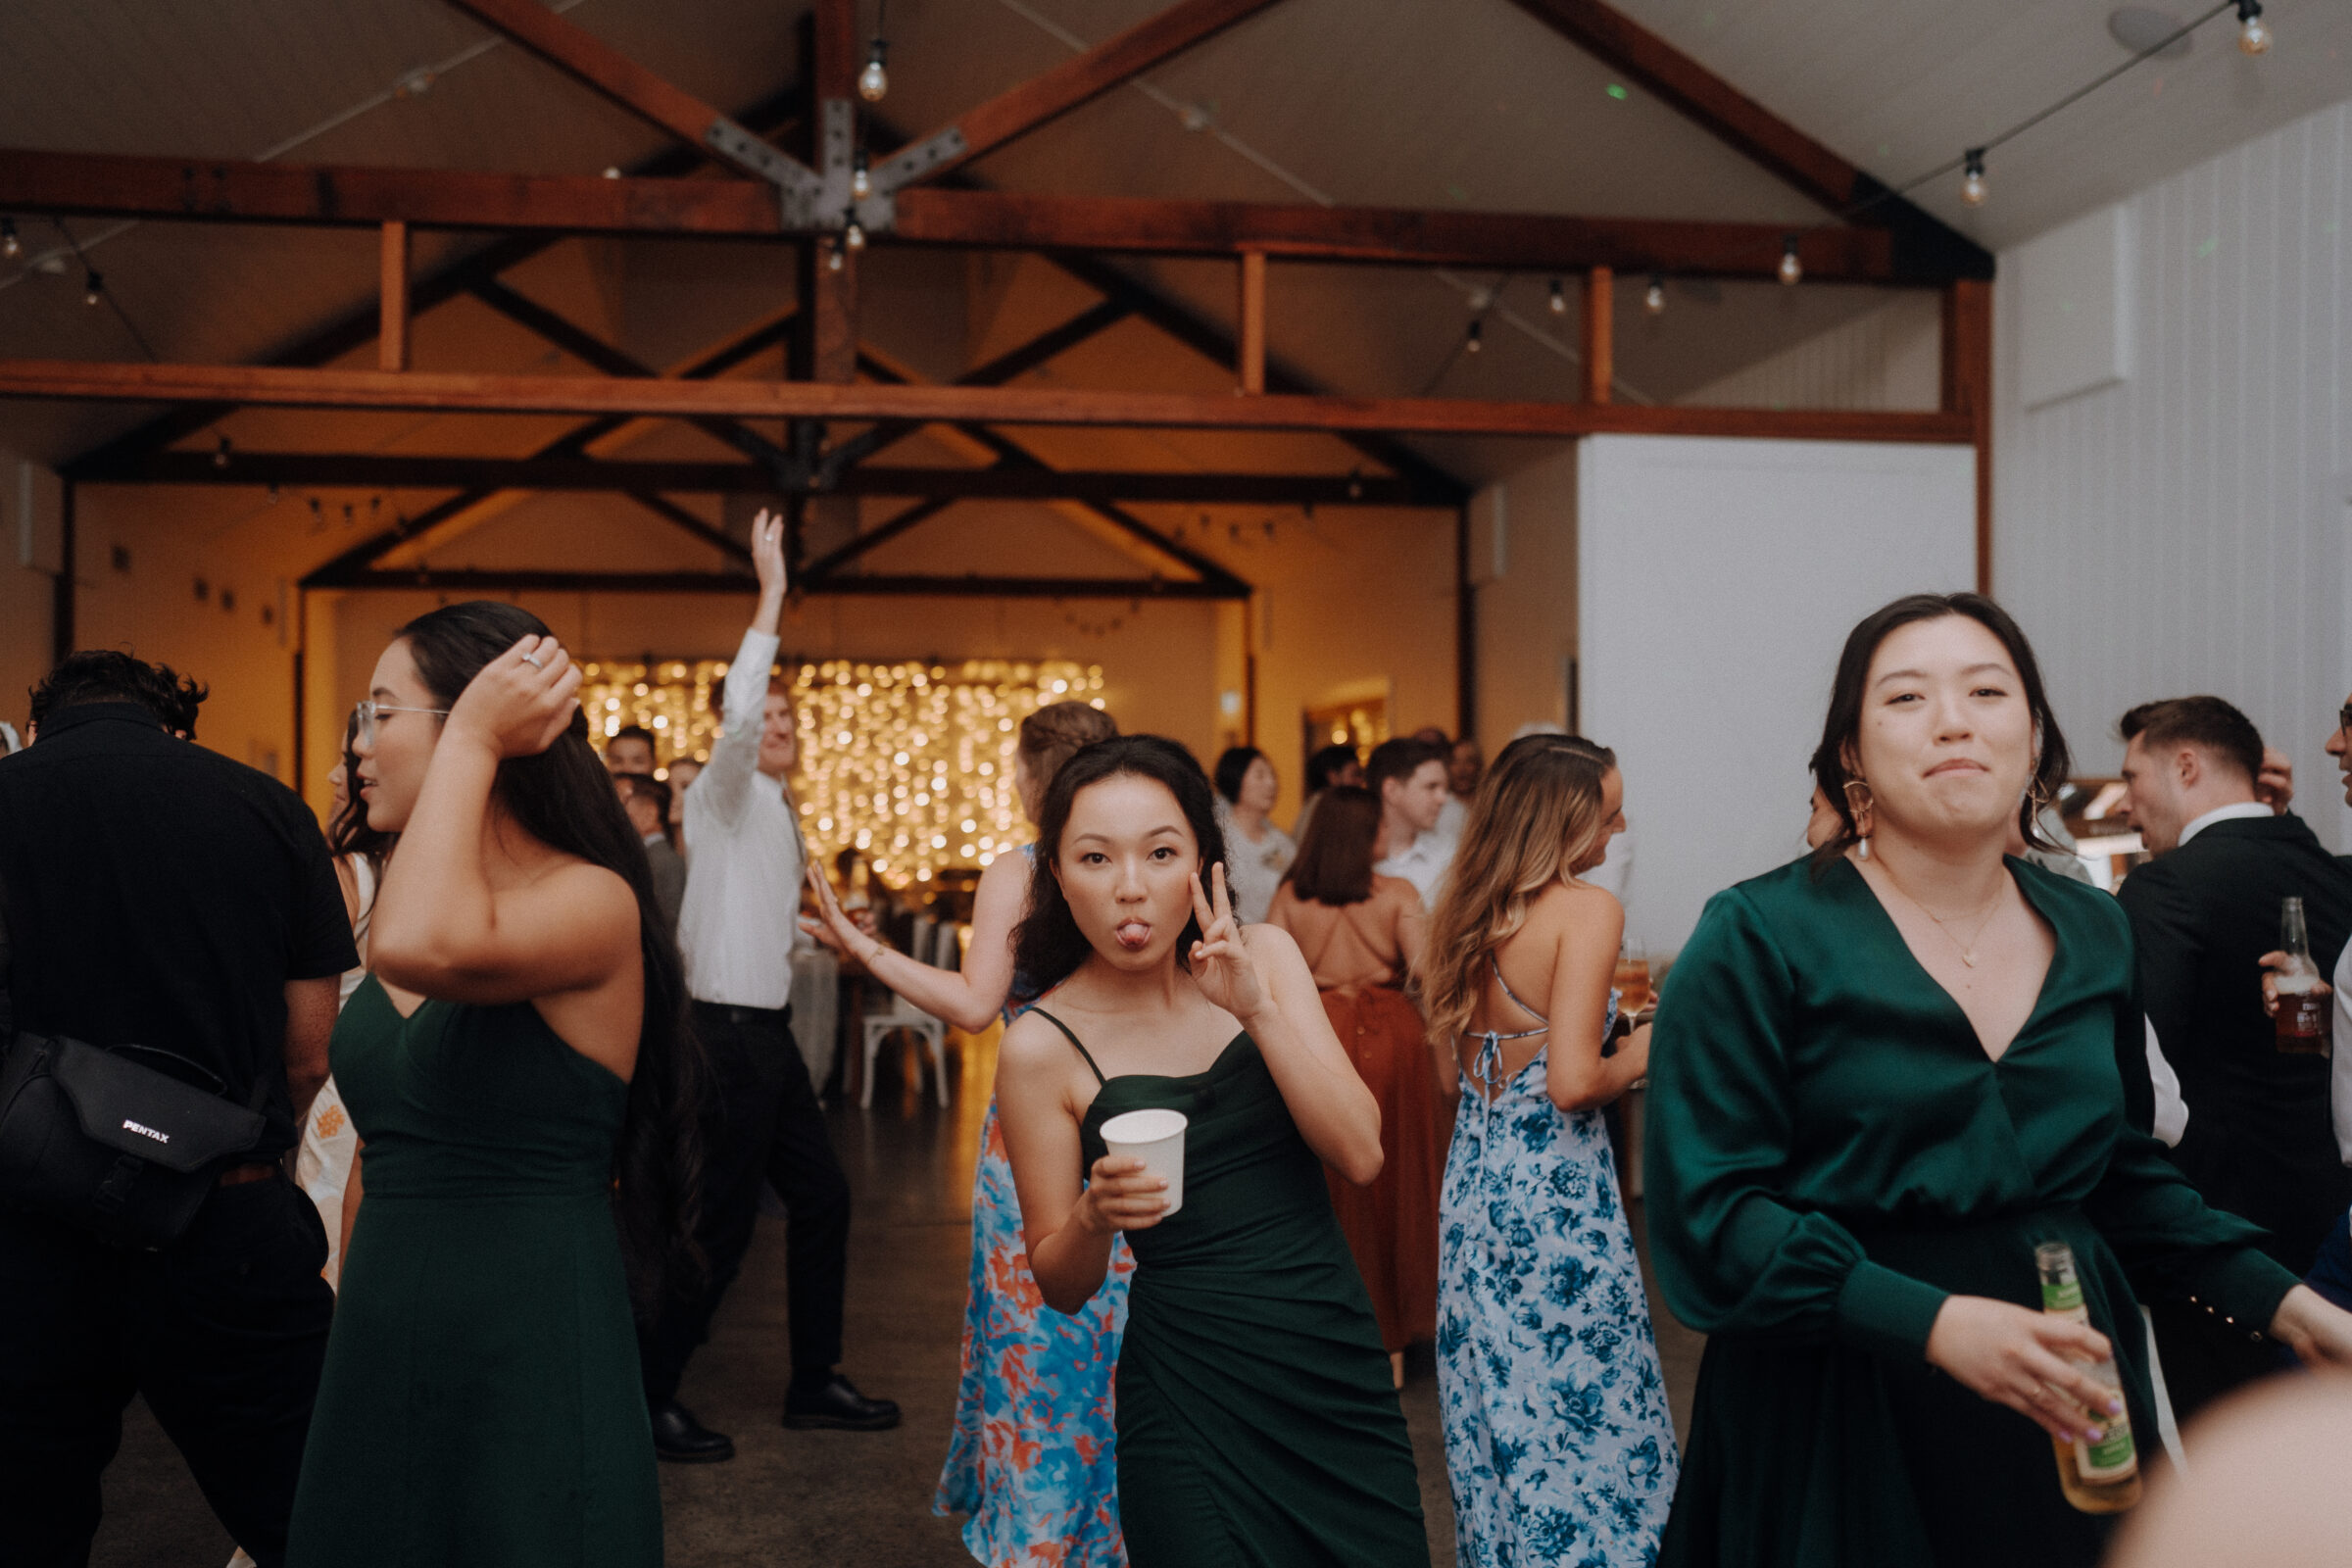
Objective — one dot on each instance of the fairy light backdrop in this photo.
(909, 763)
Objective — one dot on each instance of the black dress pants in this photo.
(763, 1125)
(223, 1333)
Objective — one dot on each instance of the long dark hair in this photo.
(1842, 730)
(1047, 945)
(349, 832)
(565, 798)
(1334, 859)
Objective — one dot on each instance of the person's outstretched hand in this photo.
(519, 702)
(832, 926)
(1221, 961)
(767, 553)
(2026, 1360)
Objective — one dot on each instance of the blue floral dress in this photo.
(1559, 1443)
(1032, 1459)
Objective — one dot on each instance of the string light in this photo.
(10, 246)
(853, 236)
(833, 256)
(1792, 271)
(1654, 301)
(93, 286)
(1477, 337)
(874, 81)
(1972, 178)
(2253, 34)
(1559, 299)
(861, 180)
(221, 454)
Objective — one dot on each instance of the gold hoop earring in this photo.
(1861, 813)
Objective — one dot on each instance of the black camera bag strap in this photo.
(98, 1141)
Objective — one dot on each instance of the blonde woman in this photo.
(1559, 1443)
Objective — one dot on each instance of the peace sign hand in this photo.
(1221, 960)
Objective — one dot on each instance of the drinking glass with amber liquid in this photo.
(2302, 1023)
(1632, 981)
(2102, 1474)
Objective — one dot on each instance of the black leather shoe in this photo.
(837, 1404)
(682, 1439)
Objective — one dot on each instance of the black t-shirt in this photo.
(160, 894)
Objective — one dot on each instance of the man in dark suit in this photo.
(2259, 1141)
(647, 801)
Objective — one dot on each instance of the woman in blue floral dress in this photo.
(1559, 1443)
(1031, 1458)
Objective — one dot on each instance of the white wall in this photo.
(2183, 529)
(1716, 581)
(1891, 357)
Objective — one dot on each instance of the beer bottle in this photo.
(2302, 1023)
(2101, 1477)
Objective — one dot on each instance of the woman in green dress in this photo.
(518, 1071)
(1257, 1424)
(1879, 1079)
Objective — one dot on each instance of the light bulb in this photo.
(1654, 301)
(861, 180)
(2253, 35)
(1972, 179)
(1559, 299)
(221, 455)
(873, 81)
(1792, 271)
(853, 236)
(833, 257)
(92, 288)
(1477, 339)
(10, 246)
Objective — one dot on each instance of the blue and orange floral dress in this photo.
(1032, 1460)
(1558, 1442)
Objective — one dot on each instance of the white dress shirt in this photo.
(739, 923)
(2223, 813)
(1424, 863)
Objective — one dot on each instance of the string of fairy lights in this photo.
(908, 763)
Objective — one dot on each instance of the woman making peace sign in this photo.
(1257, 1424)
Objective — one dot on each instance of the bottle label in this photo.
(2063, 1296)
(2112, 1457)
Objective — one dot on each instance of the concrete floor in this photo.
(795, 1498)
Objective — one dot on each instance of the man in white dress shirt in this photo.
(1409, 777)
(736, 931)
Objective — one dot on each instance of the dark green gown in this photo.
(1257, 1422)
(481, 1402)
(1829, 1154)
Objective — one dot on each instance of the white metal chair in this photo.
(894, 1012)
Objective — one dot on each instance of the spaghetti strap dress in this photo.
(481, 1402)
(1559, 1446)
(1257, 1428)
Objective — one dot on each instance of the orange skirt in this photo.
(1391, 1225)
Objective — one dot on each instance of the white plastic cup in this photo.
(1156, 1138)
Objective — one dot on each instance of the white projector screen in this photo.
(1716, 581)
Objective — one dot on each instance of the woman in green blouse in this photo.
(1878, 1078)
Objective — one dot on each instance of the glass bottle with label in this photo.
(2302, 1023)
(2102, 1476)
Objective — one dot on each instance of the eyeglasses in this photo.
(369, 711)
(2343, 722)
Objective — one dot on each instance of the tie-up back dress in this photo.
(1257, 1424)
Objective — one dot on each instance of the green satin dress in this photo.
(481, 1402)
(1830, 1152)
(1257, 1427)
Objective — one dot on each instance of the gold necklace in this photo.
(1968, 949)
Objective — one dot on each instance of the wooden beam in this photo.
(392, 330)
(1078, 80)
(849, 585)
(1252, 371)
(1968, 396)
(1600, 335)
(826, 565)
(668, 398)
(1924, 242)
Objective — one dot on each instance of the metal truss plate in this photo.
(910, 164)
(799, 191)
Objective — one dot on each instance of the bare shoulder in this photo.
(1397, 891)
(1031, 1045)
(1271, 943)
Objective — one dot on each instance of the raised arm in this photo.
(968, 999)
(1257, 974)
(724, 785)
(1575, 1075)
(440, 929)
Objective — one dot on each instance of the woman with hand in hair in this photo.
(1558, 1442)
(1257, 1422)
(517, 1066)
(1363, 935)
(1883, 1075)
(1032, 1456)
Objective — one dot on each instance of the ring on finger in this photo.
(533, 659)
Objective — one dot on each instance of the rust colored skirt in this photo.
(1391, 1225)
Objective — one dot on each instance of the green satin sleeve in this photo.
(1730, 1252)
